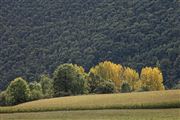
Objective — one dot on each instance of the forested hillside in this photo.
(38, 35)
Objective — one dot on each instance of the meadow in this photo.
(138, 114)
(136, 100)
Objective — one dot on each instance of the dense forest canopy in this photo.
(38, 35)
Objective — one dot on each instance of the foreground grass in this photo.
(143, 100)
(157, 114)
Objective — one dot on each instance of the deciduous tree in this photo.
(35, 91)
(109, 71)
(18, 91)
(69, 79)
(132, 78)
(152, 78)
(47, 86)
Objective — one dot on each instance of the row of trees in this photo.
(149, 79)
(70, 79)
(20, 91)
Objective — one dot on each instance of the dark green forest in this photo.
(38, 35)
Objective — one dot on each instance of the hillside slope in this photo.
(156, 99)
(38, 35)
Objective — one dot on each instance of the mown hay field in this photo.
(139, 100)
(137, 114)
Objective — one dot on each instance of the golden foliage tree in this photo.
(109, 71)
(79, 69)
(152, 78)
(131, 77)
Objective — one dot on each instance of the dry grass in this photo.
(158, 114)
(155, 99)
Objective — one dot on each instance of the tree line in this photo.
(71, 79)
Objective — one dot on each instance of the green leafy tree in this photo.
(35, 91)
(18, 91)
(69, 80)
(47, 86)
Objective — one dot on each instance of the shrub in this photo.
(3, 96)
(105, 87)
(177, 86)
(93, 82)
(125, 88)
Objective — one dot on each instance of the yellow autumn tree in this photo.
(79, 69)
(131, 77)
(152, 78)
(109, 71)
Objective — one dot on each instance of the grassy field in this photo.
(157, 114)
(141, 100)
